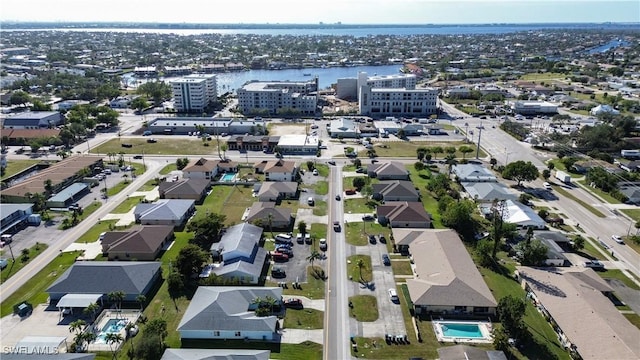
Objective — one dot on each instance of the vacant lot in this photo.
(287, 129)
(162, 147)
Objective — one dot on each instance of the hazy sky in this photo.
(328, 11)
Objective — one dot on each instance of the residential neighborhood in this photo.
(453, 210)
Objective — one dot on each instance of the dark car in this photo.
(332, 162)
(368, 217)
(293, 304)
(336, 226)
(338, 197)
(372, 239)
(382, 239)
(278, 273)
(385, 260)
(374, 161)
(152, 140)
(360, 170)
(137, 157)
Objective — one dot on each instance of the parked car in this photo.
(152, 141)
(3, 263)
(361, 170)
(331, 162)
(393, 296)
(382, 239)
(336, 226)
(137, 157)
(386, 260)
(311, 201)
(293, 304)
(149, 133)
(299, 238)
(368, 217)
(323, 244)
(307, 239)
(315, 172)
(338, 197)
(372, 239)
(278, 273)
(594, 264)
(617, 238)
(279, 256)
(283, 239)
(547, 186)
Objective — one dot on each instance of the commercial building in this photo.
(212, 126)
(347, 88)
(279, 97)
(193, 93)
(533, 107)
(32, 120)
(298, 144)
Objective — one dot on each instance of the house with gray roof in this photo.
(446, 280)
(392, 170)
(473, 173)
(261, 213)
(276, 190)
(631, 190)
(102, 277)
(488, 191)
(240, 255)
(165, 212)
(403, 214)
(185, 189)
(466, 352)
(139, 243)
(228, 312)
(32, 120)
(395, 190)
(215, 354)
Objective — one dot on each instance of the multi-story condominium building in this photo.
(386, 102)
(347, 88)
(278, 96)
(193, 93)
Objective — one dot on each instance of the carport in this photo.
(78, 301)
(41, 344)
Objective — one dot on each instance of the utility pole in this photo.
(479, 137)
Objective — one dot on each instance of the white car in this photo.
(393, 295)
(323, 244)
(546, 185)
(617, 238)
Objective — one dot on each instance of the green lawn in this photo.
(149, 185)
(593, 210)
(543, 77)
(303, 351)
(320, 208)
(16, 166)
(118, 187)
(420, 179)
(303, 319)
(591, 250)
(358, 206)
(632, 213)
(314, 288)
(33, 290)
(365, 308)
(85, 213)
(317, 231)
(408, 149)
(162, 147)
(168, 169)
(321, 187)
(93, 234)
(605, 196)
(14, 266)
(128, 204)
(229, 200)
(354, 272)
(634, 319)
(617, 274)
(401, 267)
(356, 232)
(323, 169)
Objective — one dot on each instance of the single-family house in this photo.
(216, 354)
(631, 190)
(392, 170)
(577, 301)
(603, 109)
(239, 254)
(201, 169)
(228, 312)
(141, 243)
(395, 190)
(165, 212)
(465, 173)
(277, 170)
(413, 129)
(266, 214)
(276, 191)
(446, 280)
(488, 191)
(517, 213)
(185, 189)
(466, 352)
(100, 278)
(404, 214)
(631, 166)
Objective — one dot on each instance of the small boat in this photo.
(306, 74)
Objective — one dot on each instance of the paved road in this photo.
(336, 329)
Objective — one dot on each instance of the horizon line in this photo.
(313, 24)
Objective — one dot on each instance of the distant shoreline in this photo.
(9, 25)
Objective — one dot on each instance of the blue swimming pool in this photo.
(228, 177)
(469, 331)
(113, 326)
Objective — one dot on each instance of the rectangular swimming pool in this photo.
(463, 331)
(228, 177)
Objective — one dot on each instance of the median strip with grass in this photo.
(593, 210)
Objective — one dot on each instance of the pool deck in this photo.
(484, 326)
(127, 315)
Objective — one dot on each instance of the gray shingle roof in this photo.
(391, 168)
(102, 277)
(395, 188)
(241, 237)
(487, 191)
(473, 172)
(216, 354)
(227, 308)
(165, 209)
(185, 187)
(273, 189)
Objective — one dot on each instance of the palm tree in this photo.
(117, 297)
(113, 339)
(270, 223)
(82, 338)
(315, 255)
(91, 309)
(141, 299)
(77, 326)
(270, 302)
(451, 161)
(360, 265)
(436, 150)
(302, 227)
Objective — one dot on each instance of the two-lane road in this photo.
(336, 327)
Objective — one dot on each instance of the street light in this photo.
(480, 128)
(466, 130)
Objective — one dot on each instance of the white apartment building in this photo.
(274, 96)
(347, 88)
(401, 102)
(193, 93)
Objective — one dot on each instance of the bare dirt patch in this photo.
(287, 129)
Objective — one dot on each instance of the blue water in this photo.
(231, 81)
(461, 330)
(113, 326)
(608, 46)
(228, 177)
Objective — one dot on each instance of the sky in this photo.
(327, 11)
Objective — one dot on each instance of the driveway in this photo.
(629, 296)
(40, 323)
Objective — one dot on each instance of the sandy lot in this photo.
(286, 129)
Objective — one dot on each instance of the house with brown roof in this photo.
(139, 243)
(392, 170)
(395, 190)
(22, 136)
(403, 214)
(577, 302)
(201, 169)
(446, 281)
(261, 213)
(193, 189)
(276, 190)
(277, 170)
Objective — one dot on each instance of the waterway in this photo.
(230, 81)
(608, 46)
